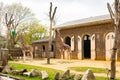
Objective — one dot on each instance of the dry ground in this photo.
(64, 64)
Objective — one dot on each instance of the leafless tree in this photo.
(21, 15)
(51, 17)
(115, 17)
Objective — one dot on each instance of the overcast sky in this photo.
(67, 9)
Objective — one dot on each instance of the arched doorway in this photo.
(86, 47)
(43, 51)
(68, 41)
(66, 52)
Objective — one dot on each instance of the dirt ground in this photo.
(64, 64)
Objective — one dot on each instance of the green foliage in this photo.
(34, 31)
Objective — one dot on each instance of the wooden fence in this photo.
(15, 53)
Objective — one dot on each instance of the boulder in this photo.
(57, 76)
(7, 69)
(34, 73)
(88, 75)
(26, 73)
(66, 75)
(15, 72)
(44, 75)
(22, 71)
(18, 72)
(31, 73)
(77, 76)
(1, 68)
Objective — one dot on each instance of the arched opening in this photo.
(52, 48)
(86, 46)
(43, 55)
(68, 41)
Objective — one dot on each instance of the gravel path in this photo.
(64, 64)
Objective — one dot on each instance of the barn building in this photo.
(89, 38)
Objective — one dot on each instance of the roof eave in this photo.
(85, 24)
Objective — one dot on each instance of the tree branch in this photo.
(54, 13)
(111, 12)
(50, 10)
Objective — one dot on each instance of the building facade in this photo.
(41, 48)
(89, 38)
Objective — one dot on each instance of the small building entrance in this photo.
(86, 47)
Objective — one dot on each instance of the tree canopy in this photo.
(22, 20)
(35, 31)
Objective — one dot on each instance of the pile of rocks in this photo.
(66, 76)
(44, 75)
(9, 69)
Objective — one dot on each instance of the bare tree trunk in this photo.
(115, 17)
(50, 43)
(51, 16)
(8, 24)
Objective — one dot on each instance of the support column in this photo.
(78, 43)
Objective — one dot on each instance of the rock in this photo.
(26, 73)
(44, 75)
(1, 68)
(18, 72)
(5, 78)
(72, 76)
(7, 69)
(57, 76)
(88, 75)
(77, 76)
(31, 73)
(22, 71)
(15, 72)
(66, 75)
(34, 73)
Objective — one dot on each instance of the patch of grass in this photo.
(103, 78)
(51, 72)
(83, 69)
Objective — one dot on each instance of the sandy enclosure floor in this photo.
(64, 64)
